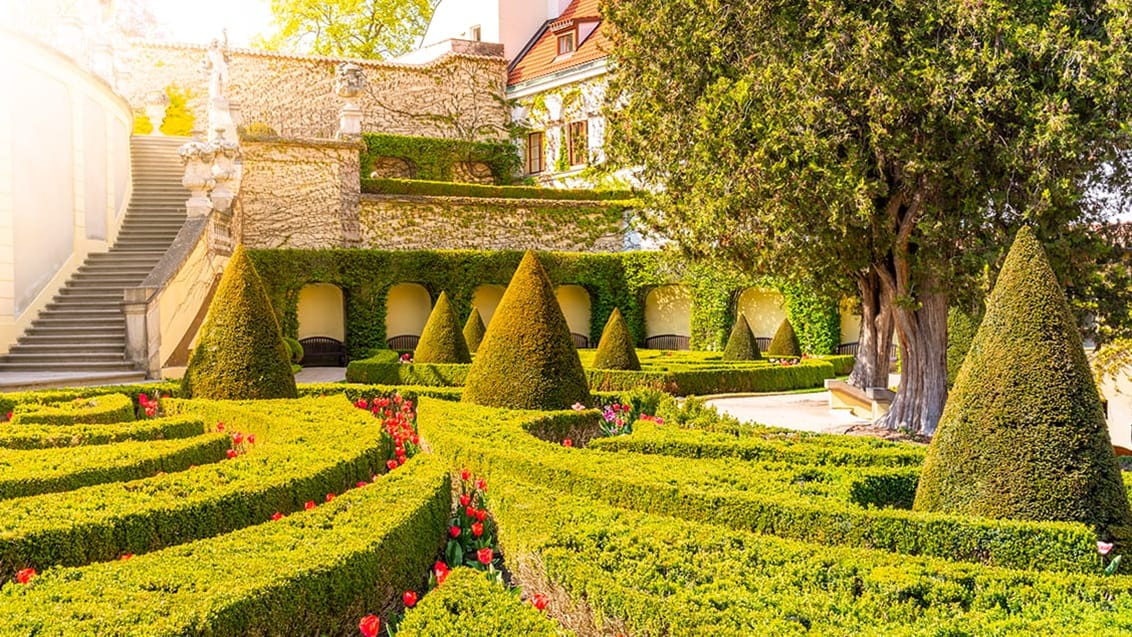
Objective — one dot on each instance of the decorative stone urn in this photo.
(349, 82)
(197, 158)
(155, 104)
(224, 174)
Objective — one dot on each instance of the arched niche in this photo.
(322, 312)
(668, 317)
(764, 309)
(576, 306)
(485, 298)
(407, 306)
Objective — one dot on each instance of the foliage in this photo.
(471, 603)
(449, 189)
(256, 130)
(615, 349)
(434, 159)
(527, 359)
(841, 144)
(441, 339)
(142, 125)
(108, 408)
(377, 29)
(373, 371)
(474, 330)
(1023, 435)
(720, 379)
(961, 329)
(179, 118)
(785, 341)
(240, 353)
(1113, 359)
(741, 345)
(295, 348)
(49, 436)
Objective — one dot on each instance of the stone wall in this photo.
(398, 222)
(299, 193)
(457, 95)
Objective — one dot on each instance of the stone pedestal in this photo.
(197, 158)
(349, 82)
(349, 121)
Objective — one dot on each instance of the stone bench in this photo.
(871, 403)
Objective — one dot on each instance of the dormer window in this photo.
(474, 33)
(567, 42)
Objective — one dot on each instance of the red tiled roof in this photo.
(541, 58)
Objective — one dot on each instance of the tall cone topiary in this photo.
(441, 339)
(741, 345)
(527, 359)
(615, 349)
(1023, 435)
(474, 330)
(240, 353)
(785, 341)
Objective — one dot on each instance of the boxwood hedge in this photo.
(49, 436)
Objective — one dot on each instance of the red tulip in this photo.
(24, 576)
(370, 625)
(391, 465)
(361, 403)
(539, 601)
(361, 484)
(126, 556)
(329, 497)
(481, 514)
(237, 438)
(231, 453)
(465, 499)
(1103, 547)
(470, 512)
(567, 443)
(481, 484)
(454, 531)
(219, 426)
(465, 475)
(410, 599)
(251, 439)
(275, 517)
(477, 529)
(440, 569)
(484, 555)
(309, 505)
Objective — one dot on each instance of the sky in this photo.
(199, 21)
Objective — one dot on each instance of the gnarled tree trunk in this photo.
(923, 375)
(871, 367)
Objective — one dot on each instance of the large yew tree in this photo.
(893, 145)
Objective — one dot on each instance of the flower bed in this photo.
(471, 604)
(311, 571)
(816, 503)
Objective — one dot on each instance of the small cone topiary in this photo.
(615, 349)
(474, 330)
(441, 339)
(1023, 434)
(785, 341)
(741, 345)
(527, 359)
(240, 354)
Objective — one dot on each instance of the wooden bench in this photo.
(763, 342)
(581, 341)
(668, 341)
(404, 342)
(871, 403)
(323, 351)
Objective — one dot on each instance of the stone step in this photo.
(68, 333)
(60, 365)
(78, 356)
(73, 322)
(99, 347)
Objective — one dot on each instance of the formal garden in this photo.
(516, 487)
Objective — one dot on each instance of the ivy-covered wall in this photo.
(613, 280)
(437, 159)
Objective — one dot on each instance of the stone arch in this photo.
(668, 317)
(393, 168)
(765, 309)
(407, 306)
(485, 298)
(322, 311)
(576, 307)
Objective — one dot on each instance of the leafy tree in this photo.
(888, 147)
(348, 28)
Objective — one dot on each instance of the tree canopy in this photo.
(890, 147)
(376, 29)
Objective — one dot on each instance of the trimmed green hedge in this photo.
(450, 189)
(645, 574)
(471, 604)
(435, 159)
(315, 572)
(26, 473)
(110, 408)
(296, 458)
(9, 401)
(764, 377)
(378, 372)
(842, 363)
(369, 392)
(51, 436)
(811, 503)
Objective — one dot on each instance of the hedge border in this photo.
(55, 436)
(471, 604)
(103, 409)
(420, 187)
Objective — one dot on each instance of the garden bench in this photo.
(871, 403)
(404, 342)
(581, 341)
(668, 341)
(323, 351)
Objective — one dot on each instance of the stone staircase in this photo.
(83, 329)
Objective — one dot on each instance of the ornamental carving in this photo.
(349, 80)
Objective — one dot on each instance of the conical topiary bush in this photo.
(1023, 435)
(240, 354)
(741, 345)
(527, 359)
(615, 349)
(441, 339)
(785, 341)
(474, 330)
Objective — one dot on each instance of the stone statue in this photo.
(215, 63)
(349, 80)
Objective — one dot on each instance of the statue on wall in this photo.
(215, 63)
(349, 80)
